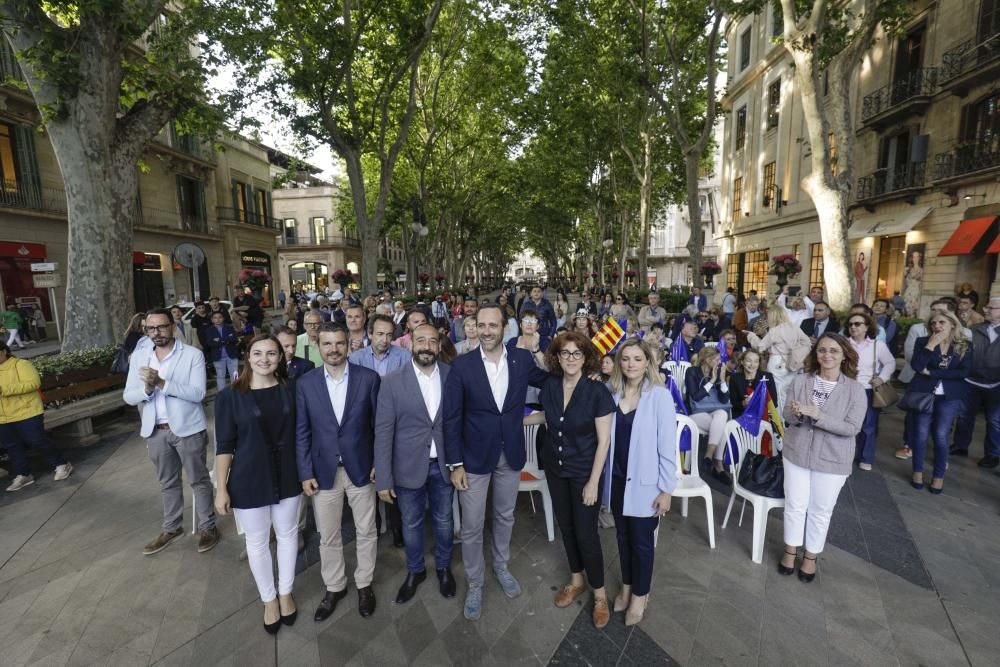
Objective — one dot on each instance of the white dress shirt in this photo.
(498, 375)
(430, 389)
(338, 392)
(159, 398)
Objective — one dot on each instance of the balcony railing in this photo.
(17, 194)
(233, 215)
(918, 83)
(297, 242)
(893, 179)
(969, 55)
(157, 217)
(968, 157)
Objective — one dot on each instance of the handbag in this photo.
(885, 394)
(119, 365)
(917, 401)
(763, 475)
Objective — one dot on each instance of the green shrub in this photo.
(672, 301)
(71, 361)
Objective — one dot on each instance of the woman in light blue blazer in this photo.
(641, 471)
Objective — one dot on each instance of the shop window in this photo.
(891, 266)
(816, 266)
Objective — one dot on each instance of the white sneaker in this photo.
(63, 471)
(20, 482)
(865, 466)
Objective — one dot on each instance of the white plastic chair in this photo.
(743, 441)
(533, 479)
(690, 484)
(678, 369)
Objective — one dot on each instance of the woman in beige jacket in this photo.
(825, 410)
(786, 347)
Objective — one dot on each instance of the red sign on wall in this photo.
(22, 250)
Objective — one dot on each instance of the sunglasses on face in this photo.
(856, 324)
(529, 320)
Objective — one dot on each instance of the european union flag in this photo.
(723, 351)
(681, 409)
(679, 351)
(750, 419)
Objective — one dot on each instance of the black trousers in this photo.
(578, 525)
(635, 542)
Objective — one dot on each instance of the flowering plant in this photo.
(439, 277)
(424, 276)
(710, 268)
(254, 279)
(469, 277)
(629, 273)
(615, 274)
(785, 265)
(342, 276)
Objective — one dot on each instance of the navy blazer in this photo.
(475, 432)
(953, 377)
(214, 342)
(298, 367)
(320, 440)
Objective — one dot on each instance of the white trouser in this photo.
(14, 338)
(810, 497)
(714, 425)
(782, 379)
(257, 524)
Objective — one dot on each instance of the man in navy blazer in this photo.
(220, 343)
(297, 366)
(335, 424)
(409, 459)
(484, 443)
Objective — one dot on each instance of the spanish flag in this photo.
(608, 336)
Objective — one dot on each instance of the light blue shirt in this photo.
(396, 357)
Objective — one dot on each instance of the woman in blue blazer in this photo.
(941, 362)
(641, 470)
(256, 471)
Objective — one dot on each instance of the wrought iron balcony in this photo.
(909, 94)
(299, 242)
(886, 182)
(19, 194)
(968, 158)
(240, 216)
(971, 62)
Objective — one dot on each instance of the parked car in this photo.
(187, 307)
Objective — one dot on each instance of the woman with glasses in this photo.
(875, 367)
(530, 339)
(824, 411)
(621, 310)
(941, 362)
(578, 418)
(641, 470)
(744, 381)
(256, 472)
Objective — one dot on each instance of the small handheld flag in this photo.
(678, 351)
(681, 409)
(750, 419)
(723, 351)
(608, 336)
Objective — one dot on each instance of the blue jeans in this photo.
(30, 432)
(990, 399)
(437, 491)
(865, 440)
(937, 424)
(224, 369)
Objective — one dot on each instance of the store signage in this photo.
(43, 280)
(22, 250)
(44, 267)
(254, 258)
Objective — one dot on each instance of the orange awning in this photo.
(968, 234)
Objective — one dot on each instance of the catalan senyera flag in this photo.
(608, 336)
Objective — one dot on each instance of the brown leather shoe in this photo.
(567, 595)
(601, 613)
(207, 539)
(161, 542)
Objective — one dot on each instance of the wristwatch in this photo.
(452, 466)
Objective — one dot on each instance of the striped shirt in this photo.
(821, 390)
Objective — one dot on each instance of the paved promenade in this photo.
(907, 579)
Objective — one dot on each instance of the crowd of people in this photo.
(365, 400)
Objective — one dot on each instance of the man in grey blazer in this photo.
(410, 462)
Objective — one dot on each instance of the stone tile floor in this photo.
(907, 579)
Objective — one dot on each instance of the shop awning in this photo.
(964, 239)
(994, 247)
(900, 223)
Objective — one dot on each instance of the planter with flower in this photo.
(343, 277)
(254, 280)
(423, 276)
(785, 267)
(439, 278)
(710, 269)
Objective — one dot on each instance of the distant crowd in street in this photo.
(369, 400)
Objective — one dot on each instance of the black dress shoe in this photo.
(957, 451)
(409, 587)
(366, 601)
(989, 461)
(328, 604)
(397, 538)
(807, 577)
(446, 583)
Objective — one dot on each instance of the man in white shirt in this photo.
(409, 468)
(168, 382)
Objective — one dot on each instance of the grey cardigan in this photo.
(826, 444)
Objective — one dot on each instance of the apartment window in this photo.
(745, 48)
(18, 165)
(263, 207)
(242, 201)
(737, 198)
(7, 163)
(980, 121)
(795, 251)
(773, 104)
(777, 21)
(989, 19)
(741, 128)
(291, 232)
(769, 170)
(191, 198)
(748, 271)
(319, 234)
(816, 266)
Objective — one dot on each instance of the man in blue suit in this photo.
(697, 299)
(381, 355)
(335, 424)
(220, 342)
(484, 443)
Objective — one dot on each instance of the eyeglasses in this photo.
(618, 299)
(162, 328)
(575, 355)
(529, 320)
(856, 324)
(312, 324)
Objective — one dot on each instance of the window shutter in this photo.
(236, 200)
(201, 208)
(918, 148)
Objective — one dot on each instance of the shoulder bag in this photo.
(763, 475)
(917, 401)
(885, 394)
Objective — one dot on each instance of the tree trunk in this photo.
(694, 244)
(645, 204)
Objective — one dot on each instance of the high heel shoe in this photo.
(622, 599)
(917, 485)
(788, 571)
(289, 619)
(936, 490)
(804, 576)
(272, 628)
(635, 617)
